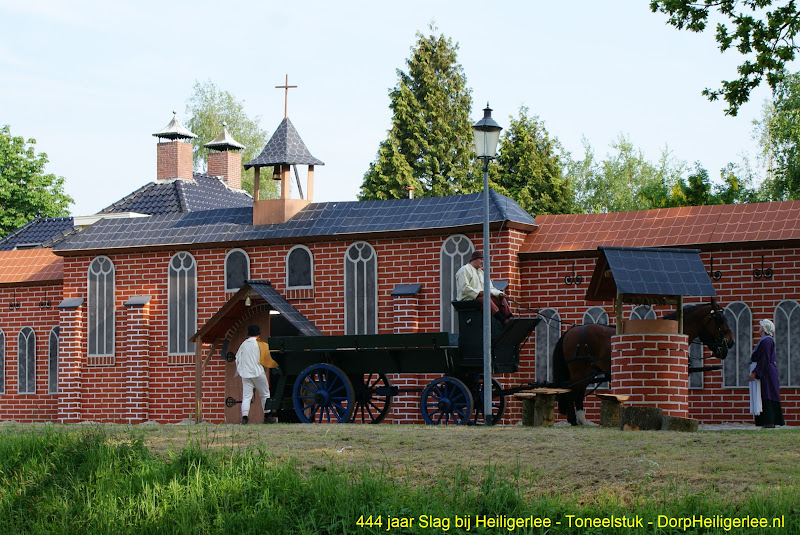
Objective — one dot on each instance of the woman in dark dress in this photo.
(766, 370)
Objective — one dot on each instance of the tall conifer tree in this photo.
(429, 145)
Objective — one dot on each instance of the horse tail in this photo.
(561, 376)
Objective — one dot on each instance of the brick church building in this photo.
(97, 312)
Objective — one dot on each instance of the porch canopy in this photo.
(648, 276)
(252, 293)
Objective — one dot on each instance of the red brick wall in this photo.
(174, 160)
(227, 164)
(114, 393)
(713, 403)
(41, 405)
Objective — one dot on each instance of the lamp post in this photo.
(487, 134)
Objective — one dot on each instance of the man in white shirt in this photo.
(249, 367)
(469, 282)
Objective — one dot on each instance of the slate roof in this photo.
(176, 196)
(666, 227)
(649, 271)
(284, 147)
(27, 266)
(279, 303)
(41, 231)
(317, 220)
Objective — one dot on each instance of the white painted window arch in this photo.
(181, 303)
(455, 252)
(300, 268)
(642, 312)
(595, 315)
(360, 289)
(237, 269)
(52, 361)
(100, 328)
(26, 361)
(736, 366)
(787, 342)
(548, 331)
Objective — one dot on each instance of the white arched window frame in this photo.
(455, 252)
(181, 303)
(595, 315)
(736, 366)
(787, 342)
(642, 312)
(52, 361)
(300, 268)
(100, 328)
(600, 316)
(548, 331)
(2, 362)
(26, 359)
(237, 269)
(360, 289)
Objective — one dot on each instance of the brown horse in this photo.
(582, 355)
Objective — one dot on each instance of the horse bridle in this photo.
(718, 346)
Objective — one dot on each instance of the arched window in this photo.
(360, 289)
(299, 268)
(736, 366)
(182, 303)
(642, 312)
(548, 331)
(456, 251)
(52, 367)
(600, 316)
(595, 315)
(100, 304)
(237, 269)
(787, 342)
(26, 357)
(2, 362)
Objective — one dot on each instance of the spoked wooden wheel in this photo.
(323, 394)
(447, 401)
(498, 402)
(373, 398)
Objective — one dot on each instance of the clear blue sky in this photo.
(91, 81)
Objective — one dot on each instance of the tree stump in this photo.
(538, 406)
(676, 423)
(610, 405)
(528, 409)
(640, 418)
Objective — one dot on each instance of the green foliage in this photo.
(429, 144)
(530, 169)
(207, 109)
(25, 190)
(625, 180)
(764, 30)
(780, 140)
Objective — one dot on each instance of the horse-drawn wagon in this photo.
(347, 378)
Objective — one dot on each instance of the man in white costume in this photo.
(249, 368)
(469, 282)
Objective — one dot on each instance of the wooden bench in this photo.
(610, 409)
(538, 405)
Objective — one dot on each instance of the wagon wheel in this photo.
(498, 402)
(373, 399)
(323, 394)
(446, 400)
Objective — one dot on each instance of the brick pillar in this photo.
(71, 361)
(174, 160)
(653, 369)
(406, 314)
(137, 352)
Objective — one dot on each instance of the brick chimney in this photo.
(174, 154)
(224, 159)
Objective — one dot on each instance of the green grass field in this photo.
(393, 479)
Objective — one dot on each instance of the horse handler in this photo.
(469, 282)
(249, 368)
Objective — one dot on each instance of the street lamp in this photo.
(487, 134)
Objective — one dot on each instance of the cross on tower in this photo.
(286, 87)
